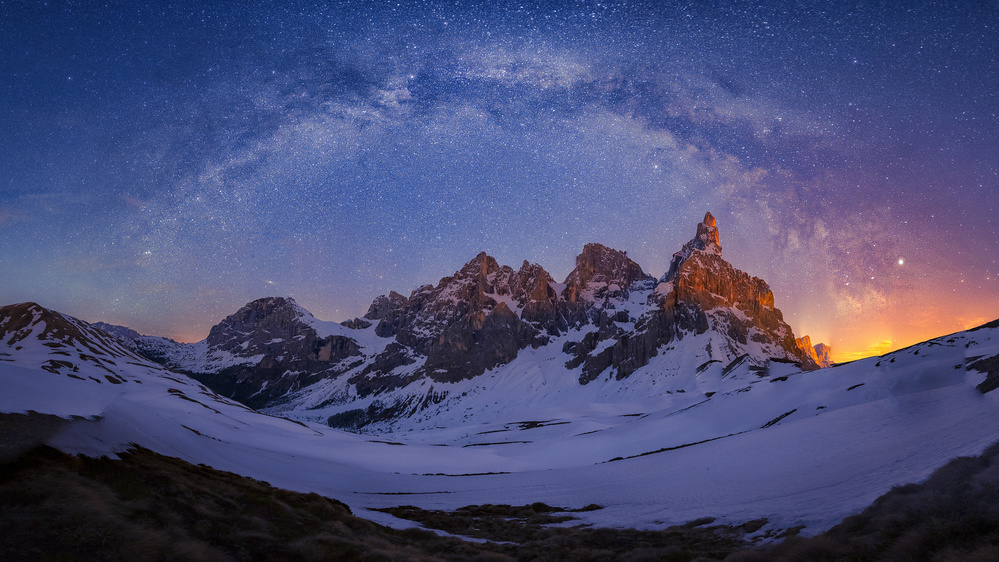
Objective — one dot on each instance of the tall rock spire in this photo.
(706, 240)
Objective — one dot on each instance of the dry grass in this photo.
(146, 506)
(954, 515)
(527, 534)
(150, 507)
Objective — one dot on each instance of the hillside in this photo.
(794, 447)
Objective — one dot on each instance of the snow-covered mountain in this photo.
(609, 326)
(796, 447)
(661, 400)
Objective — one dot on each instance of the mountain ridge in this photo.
(608, 318)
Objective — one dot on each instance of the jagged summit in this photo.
(737, 304)
(608, 321)
(257, 325)
(823, 353)
(472, 321)
(602, 267)
(705, 240)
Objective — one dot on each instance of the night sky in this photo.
(163, 164)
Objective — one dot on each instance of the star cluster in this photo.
(164, 163)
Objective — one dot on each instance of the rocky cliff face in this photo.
(823, 354)
(277, 329)
(700, 292)
(738, 304)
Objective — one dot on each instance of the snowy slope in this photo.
(538, 386)
(798, 448)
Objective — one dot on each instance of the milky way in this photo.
(163, 164)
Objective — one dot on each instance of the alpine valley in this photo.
(659, 400)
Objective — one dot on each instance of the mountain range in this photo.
(607, 320)
(659, 401)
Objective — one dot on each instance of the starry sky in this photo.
(163, 163)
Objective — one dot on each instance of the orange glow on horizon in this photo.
(187, 337)
(876, 320)
(876, 342)
(880, 348)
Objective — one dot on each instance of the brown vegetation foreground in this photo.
(953, 516)
(149, 507)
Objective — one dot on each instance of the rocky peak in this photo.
(823, 353)
(479, 267)
(806, 347)
(262, 326)
(270, 347)
(743, 305)
(705, 240)
(470, 284)
(18, 321)
(383, 306)
(602, 267)
(533, 283)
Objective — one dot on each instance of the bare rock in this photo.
(823, 353)
(601, 272)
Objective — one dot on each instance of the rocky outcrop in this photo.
(601, 273)
(804, 343)
(823, 354)
(819, 353)
(705, 240)
(700, 292)
(474, 320)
